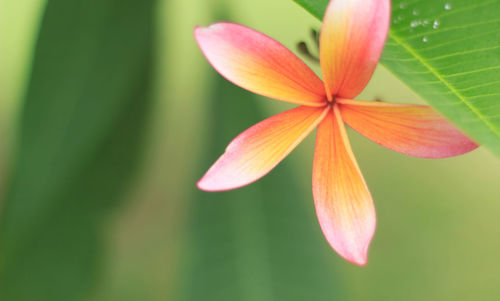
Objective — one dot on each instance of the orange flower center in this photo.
(331, 100)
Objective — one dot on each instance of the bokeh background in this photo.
(108, 116)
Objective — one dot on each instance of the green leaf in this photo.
(449, 53)
(260, 242)
(82, 126)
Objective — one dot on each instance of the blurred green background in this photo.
(109, 114)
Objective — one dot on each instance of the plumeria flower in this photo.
(351, 42)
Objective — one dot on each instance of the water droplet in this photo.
(447, 6)
(402, 5)
(398, 19)
(436, 24)
(425, 23)
(415, 12)
(424, 39)
(415, 23)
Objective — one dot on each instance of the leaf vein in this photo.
(443, 80)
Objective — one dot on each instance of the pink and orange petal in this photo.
(343, 202)
(409, 129)
(260, 64)
(259, 149)
(351, 42)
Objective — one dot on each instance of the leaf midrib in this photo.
(448, 85)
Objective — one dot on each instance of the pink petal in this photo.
(343, 202)
(259, 149)
(351, 42)
(260, 64)
(409, 129)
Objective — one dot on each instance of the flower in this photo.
(351, 42)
